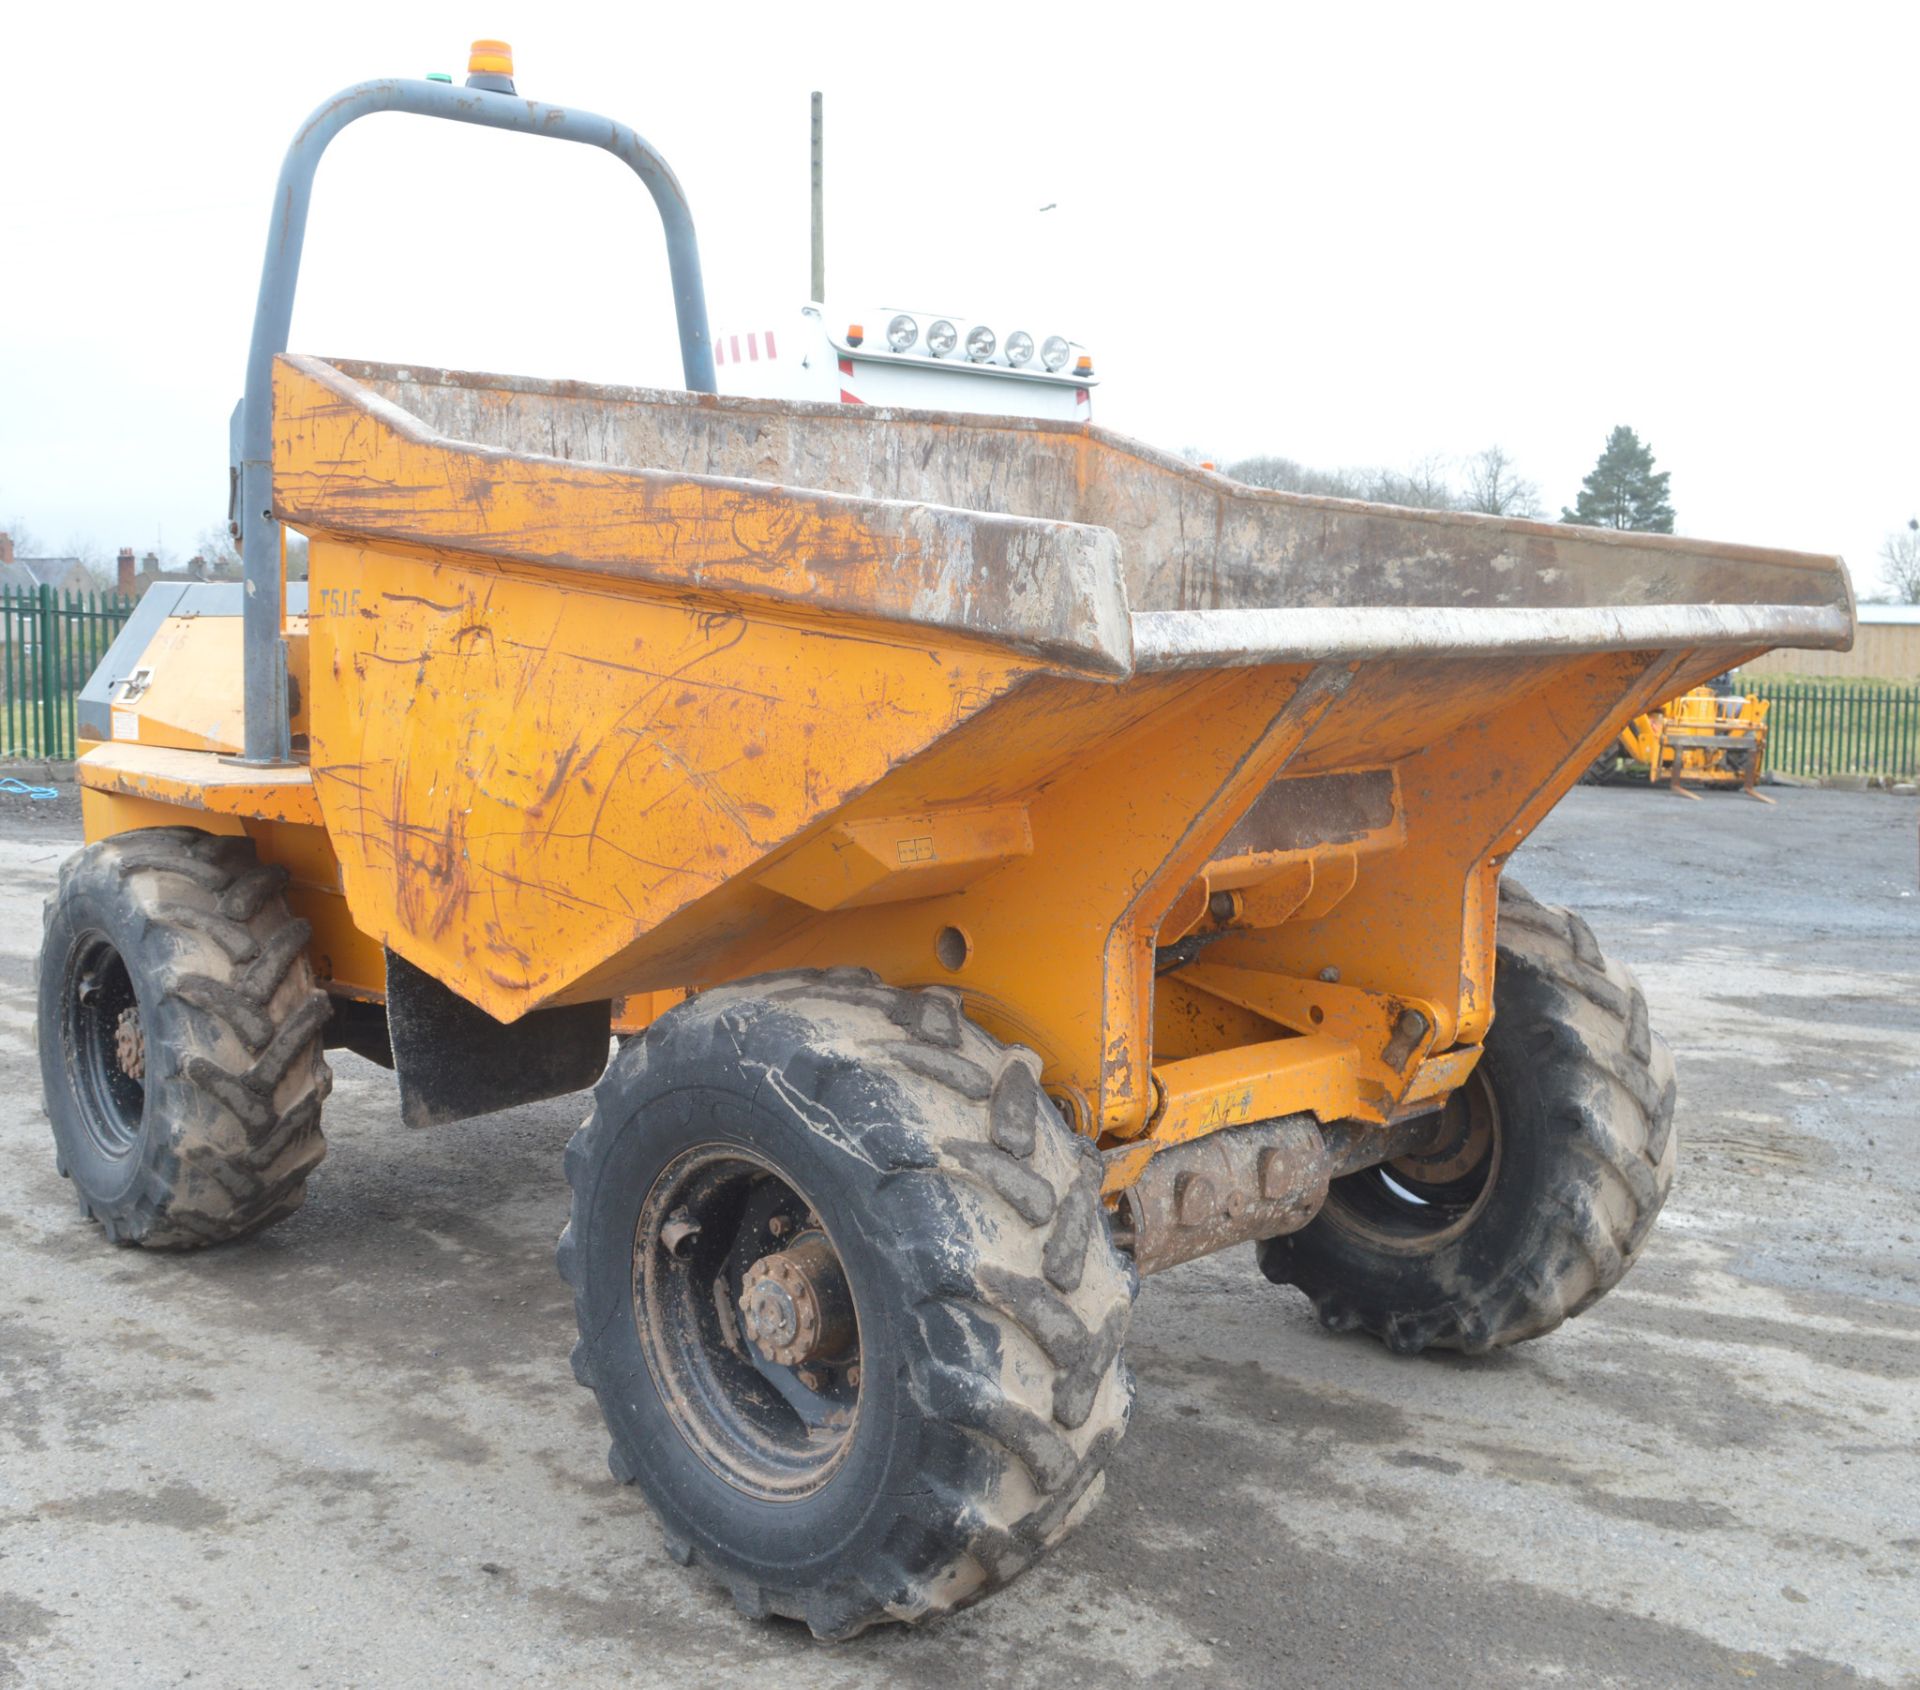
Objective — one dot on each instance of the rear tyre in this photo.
(846, 1296)
(180, 1039)
(1561, 1156)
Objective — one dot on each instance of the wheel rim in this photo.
(1415, 1203)
(747, 1322)
(105, 1045)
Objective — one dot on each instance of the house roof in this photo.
(26, 573)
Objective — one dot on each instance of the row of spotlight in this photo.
(903, 334)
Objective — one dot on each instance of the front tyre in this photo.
(846, 1296)
(180, 1038)
(1561, 1155)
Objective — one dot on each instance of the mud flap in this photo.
(455, 1061)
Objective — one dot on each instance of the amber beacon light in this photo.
(490, 58)
(490, 67)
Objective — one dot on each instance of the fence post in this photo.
(9, 674)
(20, 689)
(44, 654)
(67, 682)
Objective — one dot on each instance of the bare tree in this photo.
(220, 557)
(1901, 556)
(1286, 475)
(1495, 489)
(92, 557)
(1492, 484)
(1424, 486)
(217, 552)
(26, 543)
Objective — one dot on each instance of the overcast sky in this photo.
(1347, 234)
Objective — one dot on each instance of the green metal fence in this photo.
(1817, 727)
(49, 644)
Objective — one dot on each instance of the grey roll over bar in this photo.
(267, 730)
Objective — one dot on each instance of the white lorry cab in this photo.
(920, 360)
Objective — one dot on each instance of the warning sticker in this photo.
(126, 724)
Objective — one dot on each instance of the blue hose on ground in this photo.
(21, 789)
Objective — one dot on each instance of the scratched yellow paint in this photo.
(1047, 587)
(891, 858)
(520, 781)
(169, 775)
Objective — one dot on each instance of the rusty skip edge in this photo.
(1239, 638)
(1055, 589)
(1049, 589)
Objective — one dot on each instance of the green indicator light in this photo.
(438, 76)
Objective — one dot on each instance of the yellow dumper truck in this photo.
(1063, 862)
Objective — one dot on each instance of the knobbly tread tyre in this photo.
(1601, 769)
(1008, 1391)
(232, 1025)
(1588, 1160)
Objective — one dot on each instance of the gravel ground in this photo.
(351, 1453)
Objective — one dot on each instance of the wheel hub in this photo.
(747, 1321)
(130, 1044)
(104, 1044)
(795, 1303)
(1466, 1139)
(1415, 1203)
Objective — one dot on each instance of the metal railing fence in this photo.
(49, 644)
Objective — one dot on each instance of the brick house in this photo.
(25, 574)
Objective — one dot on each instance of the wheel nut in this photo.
(130, 1045)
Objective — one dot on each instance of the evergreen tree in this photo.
(1624, 490)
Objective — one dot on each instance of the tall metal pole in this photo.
(819, 293)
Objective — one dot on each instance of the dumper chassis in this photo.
(1017, 862)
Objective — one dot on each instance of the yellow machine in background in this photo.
(1702, 738)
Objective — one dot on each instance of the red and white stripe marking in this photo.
(733, 349)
